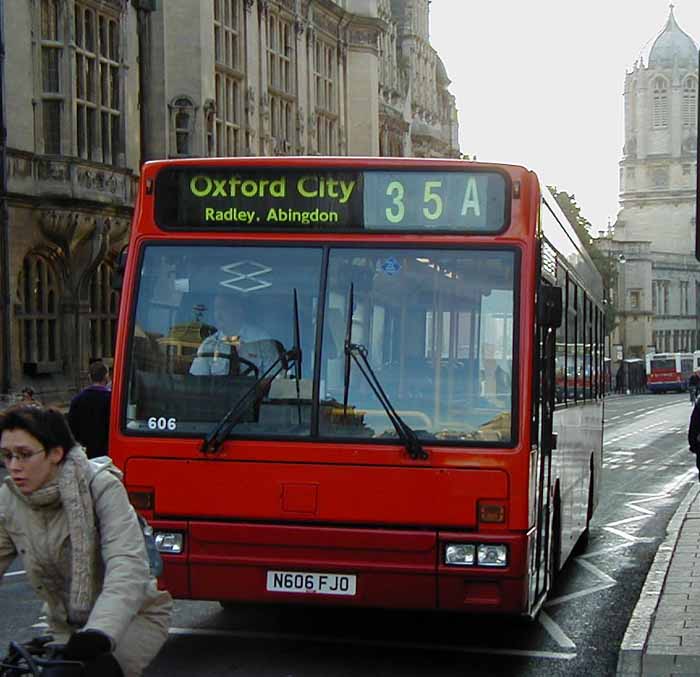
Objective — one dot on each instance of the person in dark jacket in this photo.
(88, 415)
(693, 383)
(694, 432)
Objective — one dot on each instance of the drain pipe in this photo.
(5, 317)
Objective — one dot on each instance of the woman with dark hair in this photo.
(81, 544)
(28, 396)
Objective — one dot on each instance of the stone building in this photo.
(92, 88)
(653, 241)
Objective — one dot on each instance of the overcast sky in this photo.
(540, 83)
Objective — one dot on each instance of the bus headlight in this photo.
(492, 555)
(476, 554)
(170, 542)
(460, 554)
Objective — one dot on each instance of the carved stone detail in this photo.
(250, 101)
(300, 122)
(54, 170)
(264, 106)
(325, 23)
(82, 242)
(20, 167)
(312, 125)
(94, 179)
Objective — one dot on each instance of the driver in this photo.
(233, 332)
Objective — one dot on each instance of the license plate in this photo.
(313, 583)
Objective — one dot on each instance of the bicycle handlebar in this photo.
(39, 658)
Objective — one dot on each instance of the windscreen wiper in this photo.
(297, 349)
(358, 354)
(257, 391)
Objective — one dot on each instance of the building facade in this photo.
(653, 240)
(93, 88)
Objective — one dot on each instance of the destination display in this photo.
(219, 198)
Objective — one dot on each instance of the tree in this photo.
(606, 265)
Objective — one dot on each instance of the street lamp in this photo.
(697, 166)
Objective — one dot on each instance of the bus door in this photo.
(548, 318)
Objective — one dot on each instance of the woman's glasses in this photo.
(19, 455)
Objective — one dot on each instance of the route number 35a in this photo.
(162, 423)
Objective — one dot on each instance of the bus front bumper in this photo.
(366, 567)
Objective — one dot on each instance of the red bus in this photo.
(334, 381)
(668, 371)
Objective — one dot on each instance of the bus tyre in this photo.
(583, 539)
(228, 605)
(555, 547)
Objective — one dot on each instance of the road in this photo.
(647, 471)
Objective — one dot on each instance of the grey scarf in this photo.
(72, 489)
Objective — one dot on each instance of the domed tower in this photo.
(655, 230)
(657, 184)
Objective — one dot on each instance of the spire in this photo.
(671, 44)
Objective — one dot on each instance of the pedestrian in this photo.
(28, 396)
(693, 383)
(88, 414)
(694, 434)
(620, 380)
(81, 543)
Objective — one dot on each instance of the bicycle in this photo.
(40, 657)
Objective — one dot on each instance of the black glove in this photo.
(86, 645)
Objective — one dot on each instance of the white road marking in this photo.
(14, 573)
(321, 639)
(595, 571)
(606, 582)
(580, 593)
(555, 631)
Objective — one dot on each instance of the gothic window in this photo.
(97, 87)
(102, 313)
(181, 125)
(690, 102)
(281, 81)
(210, 122)
(325, 66)
(659, 113)
(632, 102)
(229, 16)
(684, 297)
(635, 299)
(52, 44)
(660, 177)
(37, 313)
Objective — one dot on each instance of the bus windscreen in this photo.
(233, 198)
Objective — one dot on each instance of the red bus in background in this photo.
(668, 371)
(373, 420)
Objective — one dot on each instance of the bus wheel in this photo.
(228, 605)
(555, 546)
(583, 539)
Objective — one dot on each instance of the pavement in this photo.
(663, 635)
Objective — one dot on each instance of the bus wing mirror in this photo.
(118, 275)
(550, 307)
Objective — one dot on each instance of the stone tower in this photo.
(659, 282)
